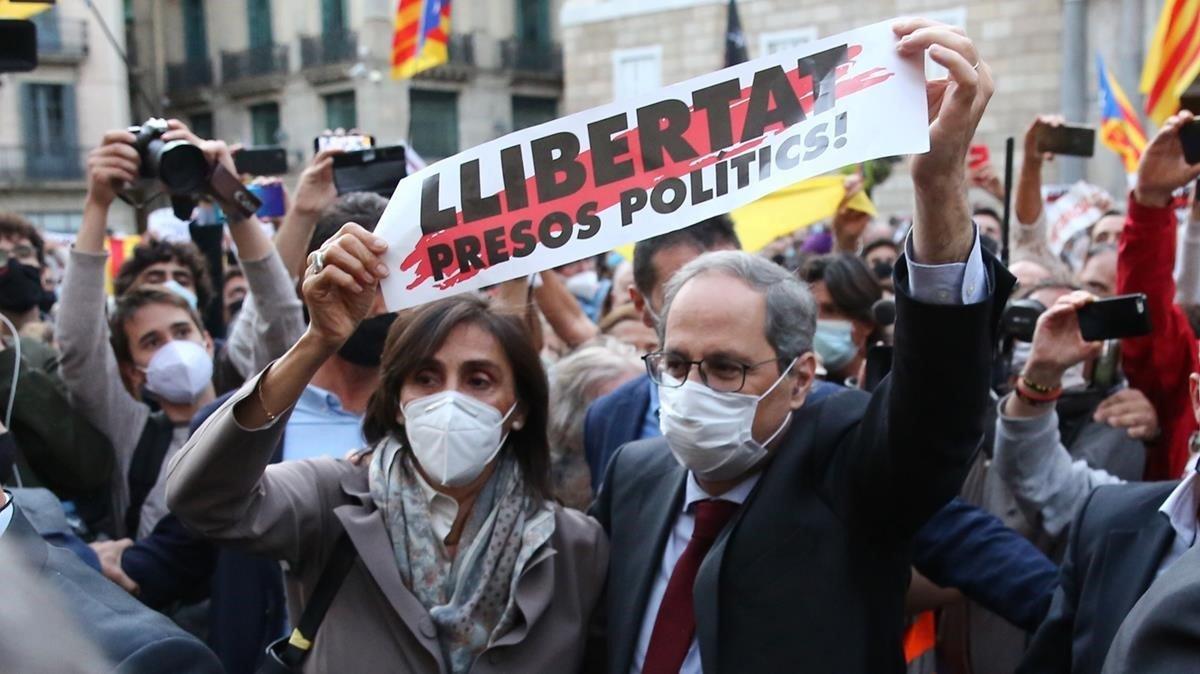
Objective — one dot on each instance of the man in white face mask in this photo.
(763, 534)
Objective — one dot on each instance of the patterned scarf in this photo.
(470, 598)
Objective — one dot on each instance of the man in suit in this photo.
(132, 637)
(1125, 535)
(1161, 635)
(763, 534)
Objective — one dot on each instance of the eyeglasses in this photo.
(718, 373)
(19, 252)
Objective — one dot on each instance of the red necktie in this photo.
(675, 624)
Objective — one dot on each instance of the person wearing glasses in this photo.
(761, 534)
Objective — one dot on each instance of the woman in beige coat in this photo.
(462, 563)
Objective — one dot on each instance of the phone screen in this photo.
(1076, 141)
(348, 143)
(1189, 135)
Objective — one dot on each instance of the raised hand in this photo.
(942, 230)
(341, 283)
(1131, 410)
(316, 191)
(1057, 343)
(110, 166)
(1163, 168)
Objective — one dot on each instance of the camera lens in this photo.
(181, 167)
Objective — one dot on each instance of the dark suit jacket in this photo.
(1116, 545)
(1161, 635)
(811, 574)
(132, 636)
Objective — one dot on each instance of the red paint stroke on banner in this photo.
(607, 196)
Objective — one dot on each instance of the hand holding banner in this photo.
(584, 184)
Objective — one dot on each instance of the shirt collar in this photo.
(315, 397)
(653, 409)
(442, 508)
(1181, 509)
(6, 512)
(693, 492)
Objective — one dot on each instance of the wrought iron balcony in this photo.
(61, 39)
(261, 61)
(27, 164)
(328, 49)
(460, 59)
(189, 75)
(542, 60)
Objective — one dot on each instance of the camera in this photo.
(177, 164)
(1019, 319)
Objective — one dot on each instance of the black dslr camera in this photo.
(183, 170)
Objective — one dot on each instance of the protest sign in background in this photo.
(587, 183)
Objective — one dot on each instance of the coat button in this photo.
(427, 628)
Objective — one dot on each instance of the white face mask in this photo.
(710, 432)
(453, 436)
(584, 285)
(179, 372)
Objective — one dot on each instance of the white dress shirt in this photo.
(955, 283)
(681, 533)
(442, 508)
(1180, 509)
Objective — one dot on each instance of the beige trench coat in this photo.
(220, 485)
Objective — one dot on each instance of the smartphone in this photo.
(374, 170)
(261, 161)
(272, 200)
(1076, 141)
(978, 157)
(347, 143)
(1114, 318)
(879, 364)
(1189, 135)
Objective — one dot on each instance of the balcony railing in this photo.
(460, 59)
(254, 62)
(65, 39)
(328, 49)
(189, 75)
(538, 58)
(23, 164)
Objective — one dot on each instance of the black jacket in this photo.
(811, 574)
(1116, 545)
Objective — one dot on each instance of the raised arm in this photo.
(314, 193)
(89, 367)
(219, 483)
(1159, 363)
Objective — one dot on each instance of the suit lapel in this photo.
(25, 539)
(1131, 560)
(534, 591)
(367, 532)
(649, 524)
(627, 422)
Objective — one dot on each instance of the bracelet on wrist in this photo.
(1040, 388)
(1035, 394)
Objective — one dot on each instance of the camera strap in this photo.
(227, 188)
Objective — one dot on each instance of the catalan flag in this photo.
(1174, 58)
(1120, 129)
(422, 31)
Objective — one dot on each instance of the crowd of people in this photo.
(842, 453)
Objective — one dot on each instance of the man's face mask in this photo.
(834, 343)
(711, 432)
(882, 269)
(365, 345)
(454, 436)
(179, 372)
(584, 285)
(20, 286)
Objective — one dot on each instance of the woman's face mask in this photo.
(454, 436)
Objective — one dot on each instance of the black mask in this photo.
(365, 346)
(989, 244)
(20, 286)
(882, 269)
(49, 297)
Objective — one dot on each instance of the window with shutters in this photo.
(264, 124)
(433, 130)
(333, 16)
(195, 33)
(533, 21)
(49, 122)
(532, 110)
(636, 71)
(341, 111)
(258, 22)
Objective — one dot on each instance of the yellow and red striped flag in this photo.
(1120, 129)
(1174, 58)
(422, 31)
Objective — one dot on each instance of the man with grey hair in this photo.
(760, 534)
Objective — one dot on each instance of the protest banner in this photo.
(584, 184)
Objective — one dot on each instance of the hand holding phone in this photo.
(351, 142)
(1117, 317)
(1189, 136)
(1066, 139)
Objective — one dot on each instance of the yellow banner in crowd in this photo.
(785, 211)
(22, 10)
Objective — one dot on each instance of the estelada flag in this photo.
(1174, 58)
(1120, 129)
(422, 30)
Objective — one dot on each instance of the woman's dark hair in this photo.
(418, 334)
(851, 285)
